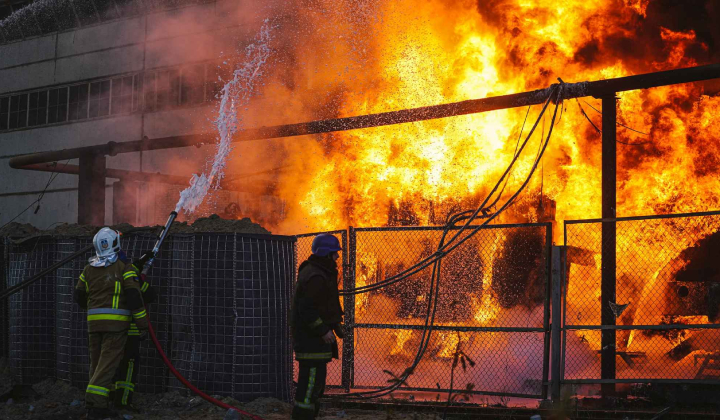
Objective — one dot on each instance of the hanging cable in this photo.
(435, 277)
(600, 131)
(421, 265)
(53, 175)
(617, 122)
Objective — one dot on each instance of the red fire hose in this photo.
(161, 237)
(187, 384)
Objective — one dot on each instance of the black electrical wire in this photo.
(433, 297)
(53, 175)
(618, 123)
(517, 144)
(435, 279)
(421, 265)
(441, 252)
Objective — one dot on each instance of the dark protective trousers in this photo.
(106, 352)
(127, 372)
(310, 387)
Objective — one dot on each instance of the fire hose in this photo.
(161, 237)
(161, 352)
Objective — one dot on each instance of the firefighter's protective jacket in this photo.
(316, 309)
(112, 297)
(148, 294)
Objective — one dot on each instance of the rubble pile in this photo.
(211, 224)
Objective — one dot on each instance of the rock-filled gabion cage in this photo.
(221, 315)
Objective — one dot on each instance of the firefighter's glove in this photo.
(143, 335)
(140, 264)
(338, 328)
(329, 337)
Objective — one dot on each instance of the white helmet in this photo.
(106, 242)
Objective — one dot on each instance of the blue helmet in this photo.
(324, 244)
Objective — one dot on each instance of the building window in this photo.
(78, 102)
(57, 109)
(137, 92)
(18, 111)
(218, 75)
(37, 114)
(149, 91)
(192, 88)
(167, 85)
(122, 95)
(4, 112)
(99, 99)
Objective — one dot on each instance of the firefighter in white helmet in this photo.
(109, 289)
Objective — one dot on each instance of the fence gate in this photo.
(662, 305)
(493, 307)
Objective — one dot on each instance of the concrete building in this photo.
(77, 73)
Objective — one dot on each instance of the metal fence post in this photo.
(558, 274)
(549, 271)
(4, 306)
(348, 358)
(609, 191)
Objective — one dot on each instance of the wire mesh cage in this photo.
(232, 304)
(663, 306)
(221, 313)
(31, 320)
(4, 313)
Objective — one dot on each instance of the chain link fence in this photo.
(493, 308)
(224, 303)
(221, 315)
(657, 304)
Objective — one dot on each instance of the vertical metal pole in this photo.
(546, 311)
(564, 286)
(607, 288)
(124, 204)
(91, 190)
(557, 281)
(348, 369)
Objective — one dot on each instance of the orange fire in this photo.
(436, 52)
(375, 56)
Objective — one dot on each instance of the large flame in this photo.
(435, 52)
(375, 56)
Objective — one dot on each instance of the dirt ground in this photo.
(56, 400)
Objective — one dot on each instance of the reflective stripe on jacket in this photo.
(112, 296)
(316, 309)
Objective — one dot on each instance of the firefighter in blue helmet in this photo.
(316, 319)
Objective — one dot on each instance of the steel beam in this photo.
(125, 202)
(608, 248)
(91, 191)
